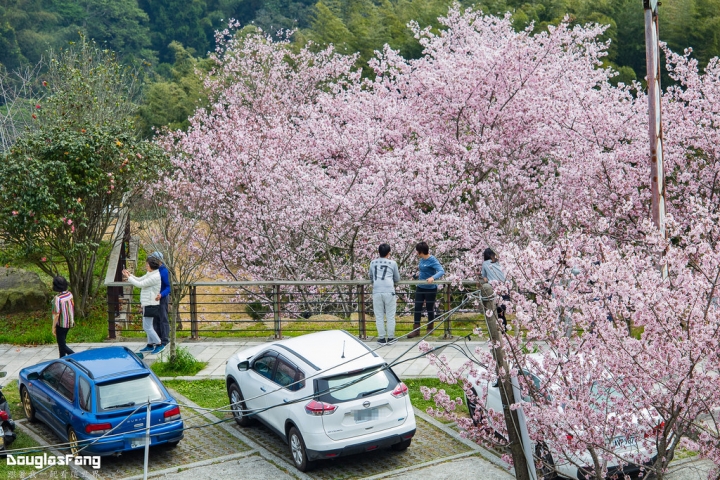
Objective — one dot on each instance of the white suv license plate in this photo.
(366, 415)
(624, 441)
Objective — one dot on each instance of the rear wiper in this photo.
(120, 405)
(365, 394)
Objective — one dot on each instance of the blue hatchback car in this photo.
(97, 400)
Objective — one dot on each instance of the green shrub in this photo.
(257, 310)
(182, 364)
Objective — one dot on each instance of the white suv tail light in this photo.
(320, 408)
(400, 391)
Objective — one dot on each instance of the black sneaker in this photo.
(391, 341)
(382, 341)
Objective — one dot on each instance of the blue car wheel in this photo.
(73, 441)
(27, 404)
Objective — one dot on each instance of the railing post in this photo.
(276, 311)
(448, 305)
(112, 300)
(194, 333)
(361, 313)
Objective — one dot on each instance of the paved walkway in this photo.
(216, 353)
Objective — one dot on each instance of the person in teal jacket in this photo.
(429, 270)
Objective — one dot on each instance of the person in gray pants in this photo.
(384, 275)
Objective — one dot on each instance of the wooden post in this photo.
(507, 396)
(194, 330)
(112, 302)
(448, 306)
(361, 312)
(276, 311)
(657, 168)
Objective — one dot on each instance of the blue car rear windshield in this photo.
(128, 393)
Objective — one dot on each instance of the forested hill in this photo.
(172, 35)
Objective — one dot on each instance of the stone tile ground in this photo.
(212, 442)
(200, 443)
(429, 444)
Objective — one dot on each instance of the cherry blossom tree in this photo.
(591, 264)
(493, 137)
(185, 239)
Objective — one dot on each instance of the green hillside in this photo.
(168, 40)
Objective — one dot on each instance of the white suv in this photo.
(326, 394)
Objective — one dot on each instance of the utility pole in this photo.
(523, 467)
(657, 170)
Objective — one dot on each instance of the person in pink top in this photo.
(63, 314)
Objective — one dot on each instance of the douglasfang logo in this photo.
(45, 460)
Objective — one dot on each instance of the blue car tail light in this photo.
(98, 428)
(172, 414)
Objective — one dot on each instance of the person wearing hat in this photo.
(63, 314)
(161, 323)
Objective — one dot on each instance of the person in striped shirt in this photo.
(63, 314)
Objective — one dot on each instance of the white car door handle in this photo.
(263, 389)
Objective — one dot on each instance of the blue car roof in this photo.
(108, 362)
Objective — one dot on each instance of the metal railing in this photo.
(273, 309)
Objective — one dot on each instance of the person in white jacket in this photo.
(149, 289)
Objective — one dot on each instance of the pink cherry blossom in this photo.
(493, 137)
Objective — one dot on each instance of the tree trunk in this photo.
(506, 391)
(175, 297)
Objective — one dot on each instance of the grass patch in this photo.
(183, 364)
(212, 393)
(35, 328)
(419, 402)
(294, 328)
(206, 393)
(25, 442)
(682, 453)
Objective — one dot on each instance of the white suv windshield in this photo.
(355, 385)
(128, 393)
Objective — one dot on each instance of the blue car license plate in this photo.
(137, 442)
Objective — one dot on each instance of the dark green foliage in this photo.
(62, 180)
(174, 36)
(119, 25)
(169, 102)
(257, 310)
(176, 20)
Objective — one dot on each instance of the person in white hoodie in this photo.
(149, 289)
